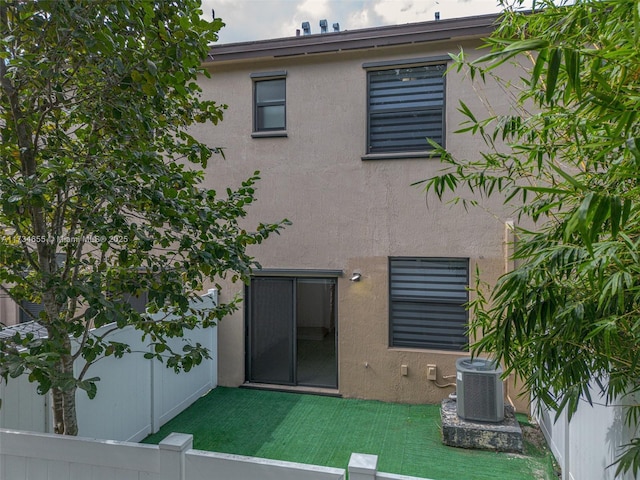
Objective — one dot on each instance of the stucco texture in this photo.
(347, 213)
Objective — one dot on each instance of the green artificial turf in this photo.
(325, 431)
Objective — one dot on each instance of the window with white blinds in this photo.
(427, 302)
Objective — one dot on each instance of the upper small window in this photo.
(406, 106)
(269, 113)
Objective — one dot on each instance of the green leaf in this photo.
(572, 65)
(572, 180)
(152, 68)
(553, 70)
(616, 209)
(513, 49)
(538, 67)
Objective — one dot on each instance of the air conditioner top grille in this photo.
(476, 365)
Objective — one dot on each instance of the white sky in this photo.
(248, 20)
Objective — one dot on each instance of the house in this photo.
(363, 295)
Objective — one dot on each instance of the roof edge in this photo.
(365, 38)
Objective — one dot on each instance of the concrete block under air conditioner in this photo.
(503, 436)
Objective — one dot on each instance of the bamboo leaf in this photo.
(616, 210)
(575, 183)
(553, 70)
(541, 61)
(511, 50)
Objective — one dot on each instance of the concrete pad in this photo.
(505, 436)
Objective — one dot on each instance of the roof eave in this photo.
(367, 38)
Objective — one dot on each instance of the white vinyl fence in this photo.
(36, 456)
(135, 395)
(590, 442)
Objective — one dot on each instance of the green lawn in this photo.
(325, 431)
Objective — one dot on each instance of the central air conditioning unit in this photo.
(480, 392)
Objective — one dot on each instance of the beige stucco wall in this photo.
(9, 314)
(347, 214)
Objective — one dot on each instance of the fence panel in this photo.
(595, 436)
(555, 431)
(173, 392)
(38, 456)
(590, 442)
(219, 466)
(33, 456)
(121, 410)
(135, 396)
(22, 408)
(393, 476)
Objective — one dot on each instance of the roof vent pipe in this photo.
(336, 27)
(323, 26)
(297, 32)
(306, 28)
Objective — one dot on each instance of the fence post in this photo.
(363, 466)
(172, 455)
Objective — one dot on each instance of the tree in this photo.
(566, 159)
(100, 184)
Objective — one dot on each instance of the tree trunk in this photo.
(64, 412)
(69, 416)
(65, 421)
(58, 420)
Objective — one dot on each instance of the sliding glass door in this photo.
(291, 331)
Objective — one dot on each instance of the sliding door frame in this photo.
(293, 276)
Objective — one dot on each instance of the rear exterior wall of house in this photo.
(352, 208)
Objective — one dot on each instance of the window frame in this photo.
(372, 67)
(392, 342)
(258, 78)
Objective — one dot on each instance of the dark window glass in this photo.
(30, 311)
(269, 105)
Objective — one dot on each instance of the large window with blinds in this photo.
(406, 106)
(427, 302)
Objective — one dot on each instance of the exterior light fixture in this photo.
(356, 277)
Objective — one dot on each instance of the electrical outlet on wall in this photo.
(432, 372)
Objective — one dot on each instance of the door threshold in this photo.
(327, 392)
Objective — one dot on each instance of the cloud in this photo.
(393, 12)
(248, 20)
(314, 8)
(403, 11)
(358, 19)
